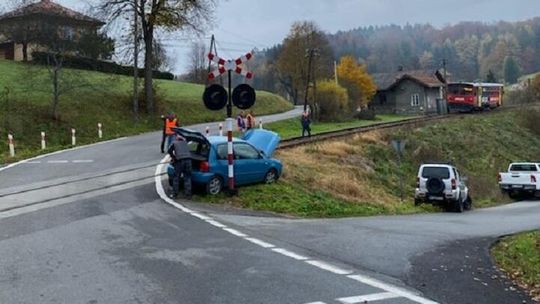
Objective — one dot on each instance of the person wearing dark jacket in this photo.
(181, 157)
(306, 122)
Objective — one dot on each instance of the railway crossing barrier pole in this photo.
(260, 124)
(230, 155)
(73, 138)
(11, 145)
(43, 142)
(100, 132)
(220, 129)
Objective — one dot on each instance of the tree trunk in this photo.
(56, 94)
(25, 51)
(148, 56)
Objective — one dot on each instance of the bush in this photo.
(85, 63)
(332, 101)
(366, 114)
(531, 120)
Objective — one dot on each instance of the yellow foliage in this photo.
(355, 78)
(332, 100)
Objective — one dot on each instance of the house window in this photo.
(69, 33)
(383, 98)
(415, 100)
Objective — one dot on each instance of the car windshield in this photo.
(436, 172)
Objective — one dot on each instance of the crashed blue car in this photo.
(253, 162)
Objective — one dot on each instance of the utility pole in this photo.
(335, 72)
(310, 53)
(445, 80)
(135, 61)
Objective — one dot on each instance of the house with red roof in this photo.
(18, 28)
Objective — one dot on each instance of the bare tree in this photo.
(168, 15)
(198, 63)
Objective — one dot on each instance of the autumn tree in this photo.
(292, 62)
(511, 70)
(332, 100)
(354, 77)
(154, 15)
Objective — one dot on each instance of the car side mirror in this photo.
(261, 154)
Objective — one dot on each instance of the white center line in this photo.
(235, 232)
(316, 303)
(83, 161)
(290, 254)
(260, 243)
(368, 298)
(33, 162)
(57, 161)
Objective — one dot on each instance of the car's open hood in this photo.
(264, 140)
(192, 135)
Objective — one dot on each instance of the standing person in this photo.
(170, 123)
(250, 120)
(163, 135)
(306, 122)
(240, 122)
(179, 152)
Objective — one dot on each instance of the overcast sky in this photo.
(244, 24)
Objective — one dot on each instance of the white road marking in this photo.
(83, 161)
(235, 232)
(57, 161)
(322, 265)
(263, 244)
(290, 254)
(33, 162)
(315, 303)
(390, 288)
(59, 152)
(368, 298)
(328, 267)
(217, 224)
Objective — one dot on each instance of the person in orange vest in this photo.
(250, 120)
(171, 121)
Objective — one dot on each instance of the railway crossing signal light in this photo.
(243, 96)
(215, 97)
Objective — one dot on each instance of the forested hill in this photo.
(470, 49)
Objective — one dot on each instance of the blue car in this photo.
(253, 162)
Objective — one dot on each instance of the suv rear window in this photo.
(436, 172)
(523, 167)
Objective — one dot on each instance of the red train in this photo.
(474, 96)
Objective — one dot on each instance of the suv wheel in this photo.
(458, 205)
(468, 203)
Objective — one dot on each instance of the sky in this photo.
(242, 25)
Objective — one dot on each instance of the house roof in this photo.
(386, 81)
(49, 8)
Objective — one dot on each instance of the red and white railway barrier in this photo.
(11, 145)
(230, 153)
(43, 141)
(230, 65)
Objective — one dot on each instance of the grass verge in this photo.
(519, 257)
(360, 175)
(91, 97)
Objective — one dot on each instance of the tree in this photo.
(511, 70)
(332, 100)
(96, 46)
(356, 80)
(293, 60)
(168, 15)
(198, 63)
(490, 77)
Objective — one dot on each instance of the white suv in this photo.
(442, 184)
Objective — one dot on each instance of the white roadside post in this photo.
(207, 131)
(220, 129)
(260, 124)
(43, 142)
(11, 145)
(73, 138)
(100, 132)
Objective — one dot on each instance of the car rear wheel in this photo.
(458, 206)
(468, 203)
(214, 185)
(271, 176)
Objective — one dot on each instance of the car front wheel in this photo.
(214, 185)
(271, 176)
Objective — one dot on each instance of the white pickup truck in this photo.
(522, 179)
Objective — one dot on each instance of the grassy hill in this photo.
(360, 175)
(89, 98)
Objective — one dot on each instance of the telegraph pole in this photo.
(135, 60)
(310, 53)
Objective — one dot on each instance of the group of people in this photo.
(245, 121)
(180, 154)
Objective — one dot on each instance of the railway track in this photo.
(297, 141)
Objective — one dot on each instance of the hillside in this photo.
(360, 176)
(89, 98)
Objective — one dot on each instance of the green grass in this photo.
(360, 175)
(292, 128)
(94, 97)
(519, 257)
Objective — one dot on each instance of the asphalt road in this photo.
(92, 225)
